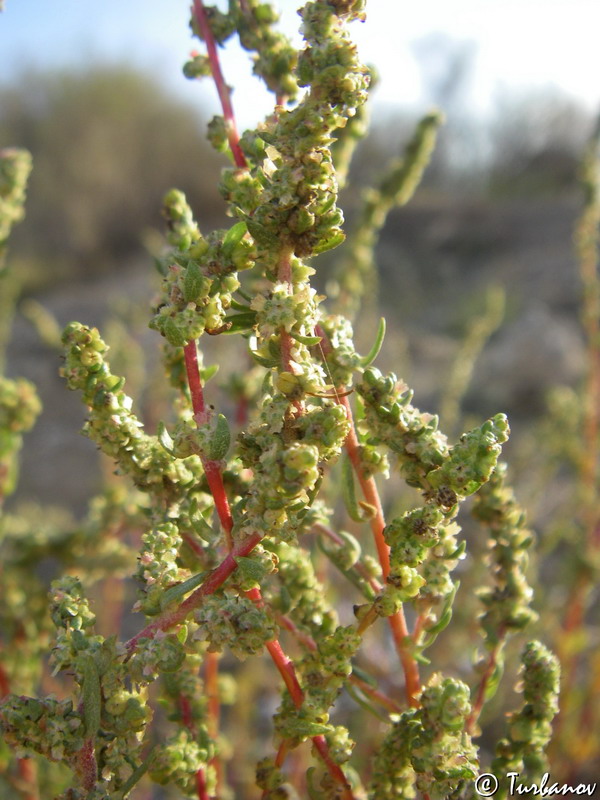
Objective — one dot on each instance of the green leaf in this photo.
(220, 440)
(241, 322)
(309, 341)
(90, 695)
(261, 235)
(172, 333)
(206, 373)
(264, 362)
(362, 700)
(233, 237)
(135, 776)
(176, 593)
(203, 529)
(329, 243)
(195, 284)
(251, 570)
(367, 360)
(164, 437)
(348, 492)
(444, 619)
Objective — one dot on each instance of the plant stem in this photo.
(214, 581)
(222, 88)
(213, 474)
(397, 621)
(477, 706)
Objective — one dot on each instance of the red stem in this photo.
(87, 766)
(397, 621)
(222, 88)
(483, 684)
(213, 582)
(281, 661)
(193, 375)
(186, 716)
(211, 676)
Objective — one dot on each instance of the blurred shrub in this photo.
(107, 143)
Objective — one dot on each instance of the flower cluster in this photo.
(112, 425)
(201, 275)
(427, 749)
(233, 621)
(530, 728)
(19, 409)
(15, 166)
(507, 602)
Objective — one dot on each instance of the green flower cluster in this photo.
(288, 199)
(164, 652)
(507, 602)
(427, 748)
(271, 780)
(325, 670)
(530, 728)
(201, 275)
(178, 760)
(19, 409)
(274, 56)
(15, 166)
(157, 565)
(49, 727)
(112, 425)
(422, 451)
(233, 621)
(391, 419)
(285, 455)
(301, 595)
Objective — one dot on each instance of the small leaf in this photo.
(233, 237)
(329, 243)
(90, 695)
(309, 341)
(362, 700)
(135, 776)
(444, 619)
(251, 570)
(195, 284)
(365, 677)
(348, 491)
(172, 333)
(164, 437)
(367, 360)
(220, 440)
(206, 373)
(264, 362)
(177, 592)
(241, 322)
(261, 235)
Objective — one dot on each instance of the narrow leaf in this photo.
(309, 341)
(220, 440)
(233, 237)
(367, 360)
(348, 491)
(176, 593)
(164, 437)
(90, 695)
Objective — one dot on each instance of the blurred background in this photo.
(95, 91)
(478, 269)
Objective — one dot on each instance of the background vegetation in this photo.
(479, 269)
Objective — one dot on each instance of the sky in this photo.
(516, 46)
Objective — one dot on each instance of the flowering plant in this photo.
(243, 547)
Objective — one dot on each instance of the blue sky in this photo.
(516, 45)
